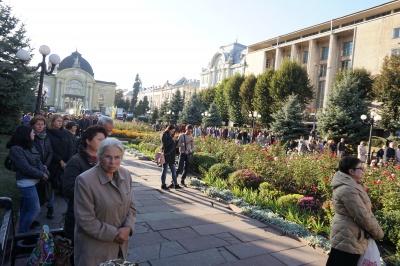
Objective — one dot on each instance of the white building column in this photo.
(294, 56)
(278, 58)
(331, 66)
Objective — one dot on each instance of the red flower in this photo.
(366, 189)
(384, 173)
(379, 182)
(373, 182)
(315, 188)
(326, 179)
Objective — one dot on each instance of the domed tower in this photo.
(75, 60)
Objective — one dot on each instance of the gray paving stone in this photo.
(228, 256)
(211, 229)
(264, 246)
(158, 216)
(255, 234)
(202, 243)
(295, 256)
(220, 218)
(228, 238)
(154, 202)
(145, 197)
(171, 249)
(199, 258)
(144, 253)
(179, 233)
(317, 263)
(265, 259)
(141, 228)
(175, 223)
(146, 239)
(161, 208)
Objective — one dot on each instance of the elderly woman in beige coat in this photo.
(105, 210)
(353, 222)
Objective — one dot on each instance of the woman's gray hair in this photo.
(110, 142)
(105, 119)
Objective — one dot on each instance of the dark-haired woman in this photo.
(79, 163)
(29, 171)
(168, 147)
(354, 221)
(63, 149)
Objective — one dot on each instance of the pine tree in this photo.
(232, 97)
(363, 76)
(119, 98)
(164, 108)
(15, 81)
(214, 118)
(191, 113)
(343, 111)
(263, 102)
(154, 115)
(220, 101)
(136, 88)
(289, 120)
(176, 106)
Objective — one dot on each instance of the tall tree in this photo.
(207, 96)
(246, 93)
(154, 115)
(127, 104)
(365, 81)
(263, 101)
(119, 98)
(220, 101)
(136, 88)
(15, 82)
(289, 120)
(343, 111)
(291, 78)
(191, 113)
(176, 106)
(164, 108)
(142, 107)
(214, 118)
(386, 87)
(232, 88)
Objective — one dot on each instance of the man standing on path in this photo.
(186, 147)
(341, 148)
(83, 124)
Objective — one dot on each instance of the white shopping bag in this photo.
(371, 257)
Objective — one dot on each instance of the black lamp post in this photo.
(54, 60)
(313, 132)
(253, 116)
(205, 115)
(170, 113)
(374, 118)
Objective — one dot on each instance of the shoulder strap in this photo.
(184, 139)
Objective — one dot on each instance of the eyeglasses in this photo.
(361, 168)
(111, 158)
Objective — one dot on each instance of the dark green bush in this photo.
(221, 170)
(289, 200)
(389, 222)
(268, 192)
(243, 178)
(202, 162)
(135, 141)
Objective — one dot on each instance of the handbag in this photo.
(160, 158)
(189, 156)
(56, 182)
(44, 191)
(8, 164)
(371, 255)
(63, 250)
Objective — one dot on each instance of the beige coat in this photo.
(353, 216)
(100, 209)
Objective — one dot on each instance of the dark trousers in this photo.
(183, 166)
(337, 257)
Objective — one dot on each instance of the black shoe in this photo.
(183, 184)
(34, 224)
(164, 187)
(50, 213)
(171, 186)
(178, 187)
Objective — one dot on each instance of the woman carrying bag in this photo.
(168, 147)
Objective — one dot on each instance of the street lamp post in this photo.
(205, 115)
(313, 131)
(170, 113)
(54, 60)
(374, 118)
(253, 116)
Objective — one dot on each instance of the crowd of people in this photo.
(100, 209)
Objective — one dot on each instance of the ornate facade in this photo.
(73, 84)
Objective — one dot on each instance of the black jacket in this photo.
(168, 147)
(63, 149)
(43, 146)
(78, 164)
(389, 154)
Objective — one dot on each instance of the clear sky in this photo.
(164, 39)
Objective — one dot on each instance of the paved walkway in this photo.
(185, 227)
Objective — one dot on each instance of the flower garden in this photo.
(290, 191)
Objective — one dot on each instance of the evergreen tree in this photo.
(191, 113)
(263, 102)
(246, 93)
(176, 106)
(154, 115)
(207, 96)
(343, 111)
(127, 104)
(164, 108)
(136, 88)
(291, 78)
(15, 82)
(288, 121)
(232, 97)
(386, 87)
(214, 118)
(220, 101)
(142, 107)
(363, 76)
(119, 98)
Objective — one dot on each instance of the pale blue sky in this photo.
(165, 39)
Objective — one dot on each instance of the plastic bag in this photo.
(43, 254)
(371, 257)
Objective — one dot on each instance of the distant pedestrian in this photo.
(168, 147)
(341, 147)
(389, 153)
(186, 147)
(361, 152)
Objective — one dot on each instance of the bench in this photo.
(16, 248)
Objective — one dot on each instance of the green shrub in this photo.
(244, 179)
(289, 200)
(221, 170)
(389, 222)
(268, 192)
(135, 141)
(328, 211)
(202, 162)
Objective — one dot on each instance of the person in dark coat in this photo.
(42, 144)
(79, 163)
(83, 124)
(63, 149)
(379, 154)
(168, 147)
(29, 171)
(389, 153)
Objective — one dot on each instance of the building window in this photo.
(268, 63)
(305, 57)
(347, 48)
(320, 94)
(324, 53)
(322, 70)
(396, 33)
(396, 52)
(74, 84)
(346, 64)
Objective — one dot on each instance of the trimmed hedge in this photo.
(221, 170)
(202, 162)
(389, 222)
